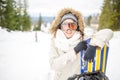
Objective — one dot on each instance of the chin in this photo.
(69, 36)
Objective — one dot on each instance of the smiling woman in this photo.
(68, 40)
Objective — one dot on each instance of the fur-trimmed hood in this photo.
(64, 11)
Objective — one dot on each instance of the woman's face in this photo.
(69, 27)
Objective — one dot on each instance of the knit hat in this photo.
(68, 16)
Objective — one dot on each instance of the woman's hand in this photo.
(90, 53)
(80, 46)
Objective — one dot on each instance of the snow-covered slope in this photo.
(21, 58)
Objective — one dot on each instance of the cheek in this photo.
(64, 28)
(73, 33)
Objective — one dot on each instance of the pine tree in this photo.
(103, 22)
(39, 22)
(38, 27)
(2, 10)
(110, 16)
(9, 15)
(19, 15)
(14, 16)
(26, 22)
(116, 15)
(88, 20)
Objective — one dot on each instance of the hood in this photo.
(64, 11)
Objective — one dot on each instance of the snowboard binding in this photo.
(97, 75)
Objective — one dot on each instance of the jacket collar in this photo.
(61, 42)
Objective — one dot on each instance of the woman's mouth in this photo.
(68, 31)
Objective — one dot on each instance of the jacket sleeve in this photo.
(101, 37)
(58, 61)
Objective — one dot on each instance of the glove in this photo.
(80, 46)
(90, 53)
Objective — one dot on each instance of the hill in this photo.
(45, 19)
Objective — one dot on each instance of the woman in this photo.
(68, 39)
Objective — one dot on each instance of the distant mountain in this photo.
(44, 19)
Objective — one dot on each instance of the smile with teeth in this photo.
(68, 31)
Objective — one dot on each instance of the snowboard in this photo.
(93, 70)
(99, 63)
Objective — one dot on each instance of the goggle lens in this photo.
(72, 26)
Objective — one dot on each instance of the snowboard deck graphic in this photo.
(99, 63)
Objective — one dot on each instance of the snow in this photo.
(113, 64)
(22, 58)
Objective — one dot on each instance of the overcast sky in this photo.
(51, 7)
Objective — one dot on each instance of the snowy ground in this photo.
(113, 65)
(21, 58)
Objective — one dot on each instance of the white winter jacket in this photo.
(63, 60)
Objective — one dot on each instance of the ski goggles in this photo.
(72, 26)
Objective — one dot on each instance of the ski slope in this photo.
(22, 58)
